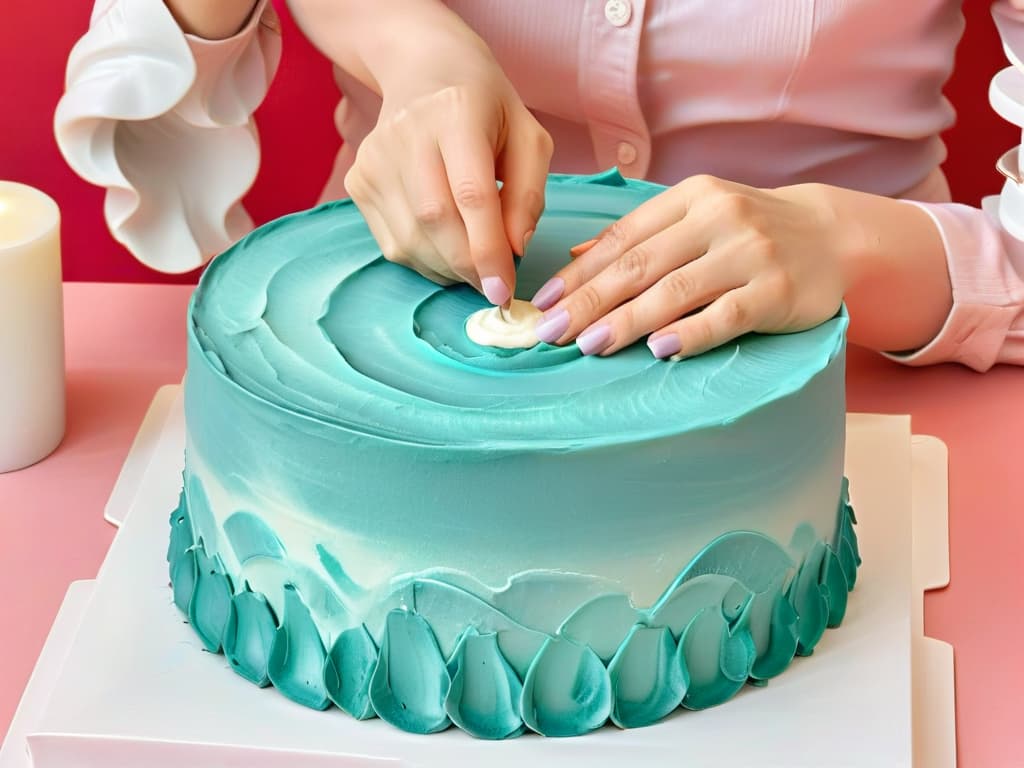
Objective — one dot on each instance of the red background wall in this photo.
(299, 140)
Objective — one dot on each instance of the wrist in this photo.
(397, 48)
(212, 21)
(893, 264)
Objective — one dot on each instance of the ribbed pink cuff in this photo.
(986, 268)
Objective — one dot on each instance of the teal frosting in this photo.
(297, 655)
(349, 670)
(251, 537)
(410, 682)
(707, 636)
(485, 691)
(210, 607)
(647, 679)
(567, 691)
(381, 515)
(249, 636)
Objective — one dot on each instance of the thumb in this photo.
(523, 169)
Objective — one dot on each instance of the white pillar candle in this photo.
(31, 327)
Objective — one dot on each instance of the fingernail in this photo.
(526, 240)
(495, 290)
(579, 250)
(595, 339)
(548, 294)
(664, 346)
(552, 326)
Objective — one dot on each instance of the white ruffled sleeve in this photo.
(163, 121)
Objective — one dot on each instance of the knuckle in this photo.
(734, 313)
(355, 185)
(394, 254)
(430, 213)
(633, 265)
(618, 234)
(734, 205)
(545, 144)
(679, 284)
(704, 183)
(533, 199)
(470, 193)
(586, 299)
(764, 248)
(782, 288)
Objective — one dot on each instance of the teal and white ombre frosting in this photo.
(379, 513)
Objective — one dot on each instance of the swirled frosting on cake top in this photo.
(307, 315)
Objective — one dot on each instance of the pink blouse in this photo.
(846, 92)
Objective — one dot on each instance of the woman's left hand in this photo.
(700, 264)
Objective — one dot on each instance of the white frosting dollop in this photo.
(512, 328)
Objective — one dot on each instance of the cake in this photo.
(382, 515)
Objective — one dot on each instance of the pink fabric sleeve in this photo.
(986, 268)
(163, 121)
(984, 249)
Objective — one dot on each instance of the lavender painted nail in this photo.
(553, 325)
(595, 339)
(495, 290)
(665, 346)
(548, 294)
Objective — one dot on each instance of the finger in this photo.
(627, 276)
(651, 217)
(654, 215)
(731, 315)
(678, 293)
(391, 251)
(523, 168)
(469, 162)
(393, 225)
(425, 183)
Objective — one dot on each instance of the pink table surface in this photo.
(125, 341)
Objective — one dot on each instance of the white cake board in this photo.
(123, 681)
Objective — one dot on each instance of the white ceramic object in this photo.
(1011, 208)
(31, 327)
(163, 121)
(849, 704)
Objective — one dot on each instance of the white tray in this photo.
(128, 684)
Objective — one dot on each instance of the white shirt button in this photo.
(626, 153)
(618, 12)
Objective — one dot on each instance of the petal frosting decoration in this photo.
(249, 637)
(485, 693)
(209, 609)
(567, 691)
(162, 121)
(722, 622)
(411, 681)
(297, 655)
(352, 660)
(647, 680)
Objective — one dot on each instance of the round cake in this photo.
(381, 514)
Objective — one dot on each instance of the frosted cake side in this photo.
(379, 514)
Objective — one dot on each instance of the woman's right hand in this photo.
(451, 124)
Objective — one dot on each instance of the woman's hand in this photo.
(709, 260)
(450, 125)
(424, 178)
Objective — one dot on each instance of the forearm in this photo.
(211, 20)
(384, 43)
(893, 263)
